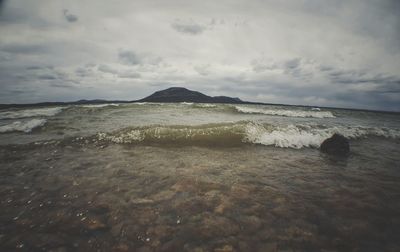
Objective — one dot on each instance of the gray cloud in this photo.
(34, 67)
(107, 69)
(22, 48)
(381, 83)
(62, 85)
(332, 53)
(188, 27)
(82, 72)
(129, 57)
(260, 65)
(325, 68)
(202, 69)
(129, 75)
(70, 17)
(291, 64)
(125, 74)
(47, 77)
(12, 13)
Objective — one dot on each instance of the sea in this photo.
(197, 177)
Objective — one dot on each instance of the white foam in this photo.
(24, 126)
(187, 103)
(99, 105)
(206, 105)
(286, 137)
(26, 113)
(300, 136)
(284, 112)
(127, 137)
(148, 103)
(359, 132)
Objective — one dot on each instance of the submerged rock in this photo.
(336, 145)
(226, 248)
(213, 226)
(96, 225)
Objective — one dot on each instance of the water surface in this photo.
(197, 177)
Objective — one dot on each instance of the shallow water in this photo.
(82, 197)
(84, 193)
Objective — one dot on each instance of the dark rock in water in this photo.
(336, 145)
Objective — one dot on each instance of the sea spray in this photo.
(23, 126)
(26, 113)
(284, 112)
(239, 133)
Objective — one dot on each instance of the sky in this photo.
(341, 53)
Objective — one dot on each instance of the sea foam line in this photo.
(23, 126)
(26, 113)
(284, 112)
(99, 105)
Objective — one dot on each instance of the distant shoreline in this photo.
(47, 104)
(178, 95)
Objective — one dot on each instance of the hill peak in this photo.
(181, 94)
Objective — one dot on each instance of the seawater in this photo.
(280, 126)
(197, 177)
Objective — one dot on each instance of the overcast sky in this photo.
(343, 53)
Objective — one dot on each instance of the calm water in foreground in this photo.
(197, 177)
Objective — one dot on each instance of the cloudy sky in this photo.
(343, 53)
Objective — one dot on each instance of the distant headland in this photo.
(180, 94)
(172, 94)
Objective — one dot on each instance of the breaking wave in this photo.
(26, 113)
(234, 134)
(284, 112)
(299, 136)
(99, 105)
(23, 126)
(204, 105)
(148, 103)
(210, 134)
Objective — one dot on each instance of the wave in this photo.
(210, 134)
(299, 136)
(23, 126)
(186, 103)
(26, 113)
(99, 105)
(204, 105)
(284, 112)
(148, 103)
(234, 134)
(190, 104)
(286, 137)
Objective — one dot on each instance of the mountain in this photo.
(173, 94)
(179, 94)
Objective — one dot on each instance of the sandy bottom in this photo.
(79, 197)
